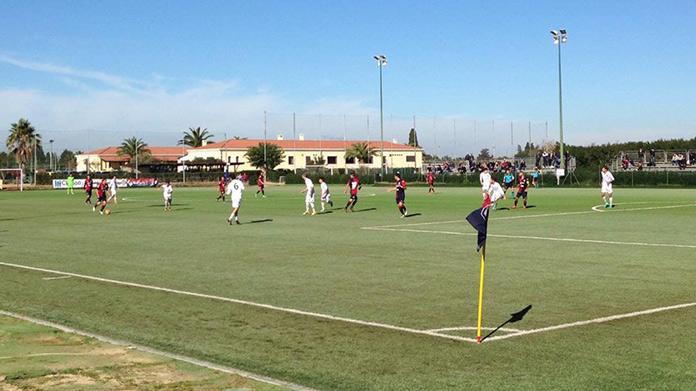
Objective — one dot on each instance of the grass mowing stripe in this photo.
(142, 348)
(596, 320)
(244, 302)
(534, 237)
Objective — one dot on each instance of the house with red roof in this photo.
(108, 159)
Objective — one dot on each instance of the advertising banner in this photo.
(80, 183)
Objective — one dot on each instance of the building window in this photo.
(308, 160)
(411, 159)
(291, 160)
(350, 160)
(331, 160)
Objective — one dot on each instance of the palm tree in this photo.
(360, 151)
(22, 141)
(195, 137)
(135, 148)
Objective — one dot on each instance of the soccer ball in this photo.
(108, 212)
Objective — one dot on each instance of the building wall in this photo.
(95, 164)
(395, 159)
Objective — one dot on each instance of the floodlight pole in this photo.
(381, 61)
(265, 138)
(560, 38)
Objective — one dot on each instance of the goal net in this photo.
(11, 178)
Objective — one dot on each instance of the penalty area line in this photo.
(162, 353)
(244, 302)
(604, 319)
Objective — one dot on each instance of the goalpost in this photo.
(18, 175)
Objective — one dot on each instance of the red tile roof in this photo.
(160, 154)
(304, 144)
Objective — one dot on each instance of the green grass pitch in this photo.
(571, 263)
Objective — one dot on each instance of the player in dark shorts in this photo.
(88, 190)
(430, 178)
(261, 183)
(522, 185)
(400, 190)
(221, 189)
(353, 186)
(101, 195)
(508, 180)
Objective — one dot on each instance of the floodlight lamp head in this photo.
(563, 31)
(564, 39)
(554, 33)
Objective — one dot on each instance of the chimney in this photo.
(394, 141)
(279, 137)
(205, 142)
(300, 136)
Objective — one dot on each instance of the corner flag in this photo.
(479, 220)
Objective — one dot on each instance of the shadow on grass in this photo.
(364, 210)
(259, 221)
(516, 317)
(162, 205)
(413, 215)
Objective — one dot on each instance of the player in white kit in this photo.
(113, 189)
(167, 191)
(496, 192)
(325, 196)
(607, 188)
(309, 195)
(485, 180)
(235, 189)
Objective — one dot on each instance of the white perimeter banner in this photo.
(80, 183)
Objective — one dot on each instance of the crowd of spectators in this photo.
(648, 158)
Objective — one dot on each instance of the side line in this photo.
(538, 215)
(505, 329)
(244, 302)
(534, 237)
(592, 321)
(173, 356)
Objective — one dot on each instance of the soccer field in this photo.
(368, 300)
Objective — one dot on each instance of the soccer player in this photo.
(221, 189)
(522, 185)
(88, 190)
(485, 180)
(113, 189)
(607, 187)
(325, 197)
(535, 177)
(400, 190)
(235, 190)
(353, 186)
(496, 192)
(101, 196)
(430, 178)
(261, 183)
(71, 183)
(508, 181)
(309, 195)
(167, 191)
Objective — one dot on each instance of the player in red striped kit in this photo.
(353, 186)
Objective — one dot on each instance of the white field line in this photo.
(522, 216)
(533, 237)
(593, 321)
(505, 329)
(596, 208)
(56, 278)
(173, 356)
(245, 302)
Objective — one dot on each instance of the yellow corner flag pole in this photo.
(480, 297)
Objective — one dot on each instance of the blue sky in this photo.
(155, 68)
